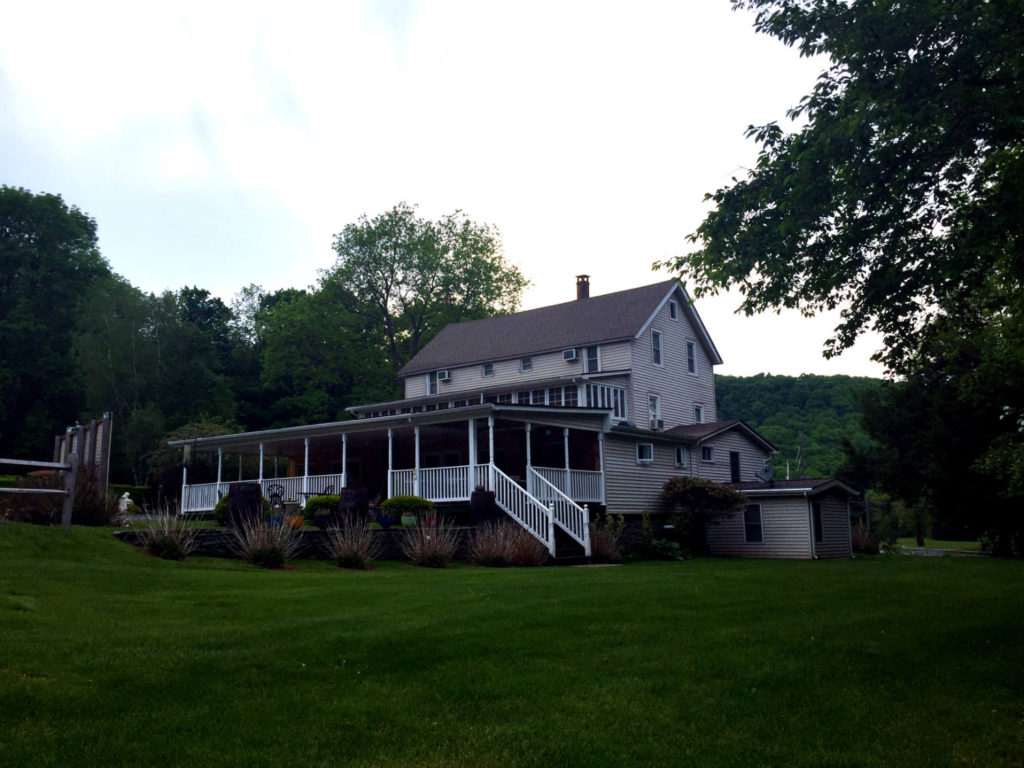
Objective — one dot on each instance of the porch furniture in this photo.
(275, 495)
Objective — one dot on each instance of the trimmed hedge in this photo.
(403, 505)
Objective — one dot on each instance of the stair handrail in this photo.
(569, 516)
(524, 508)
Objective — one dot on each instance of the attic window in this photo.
(673, 310)
(526, 364)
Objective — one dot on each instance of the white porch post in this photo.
(472, 456)
(391, 480)
(416, 464)
(344, 460)
(551, 528)
(490, 450)
(184, 484)
(600, 463)
(275, 467)
(529, 462)
(305, 471)
(220, 463)
(568, 473)
(586, 529)
(261, 464)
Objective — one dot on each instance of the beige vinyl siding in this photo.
(835, 526)
(677, 389)
(613, 357)
(416, 386)
(784, 524)
(752, 457)
(629, 487)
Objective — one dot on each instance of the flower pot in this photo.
(386, 521)
(294, 521)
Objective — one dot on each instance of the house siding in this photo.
(677, 389)
(752, 457)
(629, 486)
(835, 526)
(785, 526)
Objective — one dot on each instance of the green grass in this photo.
(112, 658)
(911, 542)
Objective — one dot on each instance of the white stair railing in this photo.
(569, 516)
(526, 510)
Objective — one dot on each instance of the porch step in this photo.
(568, 551)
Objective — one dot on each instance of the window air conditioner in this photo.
(657, 424)
(569, 355)
(444, 375)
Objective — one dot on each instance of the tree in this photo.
(409, 277)
(701, 502)
(900, 200)
(50, 260)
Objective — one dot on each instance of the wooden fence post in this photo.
(70, 481)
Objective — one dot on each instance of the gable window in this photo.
(734, 466)
(526, 364)
(673, 310)
(656, 347)
(707, 453)
(819, 533)
(487, 370)
(698, 414)
(753, 530)
(691, 358)
(644, 453)
(432, 383)
(682, 456)
(593, 362)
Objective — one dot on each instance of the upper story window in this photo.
(654, 406)
(656, 347)
(673, 310)
(487, 370)
(604, 396)
(707, 453)
(593, 362)
(691, 358)
(682, 456)
(644, 453)
(698, 414)
(734, 466)
(526, 364)
(432, 383)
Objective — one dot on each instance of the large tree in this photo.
(49, 260)
(409, 277)
(899, 198)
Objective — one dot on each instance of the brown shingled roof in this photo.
(610, 317)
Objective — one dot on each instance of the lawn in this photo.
(966, 546)
(112, 658)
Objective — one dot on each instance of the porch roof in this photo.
(593, 418)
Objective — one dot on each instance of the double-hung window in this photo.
(682, 457)
(656, 351)
(673, 310)
(691, 358)
(753, 530)
(698, 414)
(526, 364)
(707, 453)
(644, 453)
(593, 364)
(432, 383)
(487, 370)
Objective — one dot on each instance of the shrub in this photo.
(93, 506)
(352, 545)
(322, 505)
(406, 506)
(268, 546)
(171, 537)
(605, 534)
(503, 543)
(430, 546)
(41, 509)
(523, 548)
(220, 511)
(863, 539)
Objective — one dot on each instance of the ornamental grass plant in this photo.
(352, 545)
(430, 546)
(268, 546)
(170, 535)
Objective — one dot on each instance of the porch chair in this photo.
(275, 495)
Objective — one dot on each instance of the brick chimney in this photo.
(582, 287)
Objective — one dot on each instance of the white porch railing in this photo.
(570, 516)
(584, 485)
(524, 509)
(204, 496)
(441, 484)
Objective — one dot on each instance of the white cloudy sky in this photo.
(222, 144)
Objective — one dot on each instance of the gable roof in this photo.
(698, 432)
(610, 317)
(809, 485)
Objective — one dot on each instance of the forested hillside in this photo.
(815, 412)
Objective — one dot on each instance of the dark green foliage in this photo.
(405, 505)
(813, 412)
(700, 501)
(321, 505)
(605, 537)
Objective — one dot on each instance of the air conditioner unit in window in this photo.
(569, 355)
(444, 375)
(657, 424)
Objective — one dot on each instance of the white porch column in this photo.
(344, 460)
(472, 457)
(416, 464)
(261, 464)
(391, 480)
(275, 467)
(220, 464)
(529, 461)
(586, 528)
(600, 462)
(490, 451)
(551, 528)
(184, 484)
(568, 473)
(305, 471)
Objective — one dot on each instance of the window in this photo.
(487, 370)
(682, 456)
(593, 362)
(644, 453)
(656, 347)
(753, 531)
(604, 396)
(691, 358)
(698, 414)
(819, 533)
(707, 453)
(555, 396)
(734, 466)
(523, 398)
(526, 364)
(504, 398)
(432, 383)
(572, 397)
(538, 397)
(654, 406)
(673, 310)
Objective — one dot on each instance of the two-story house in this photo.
(597, 401)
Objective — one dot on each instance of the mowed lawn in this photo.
(112, 658)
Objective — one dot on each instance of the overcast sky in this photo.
(222, 144)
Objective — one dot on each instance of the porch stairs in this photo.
(542, 510)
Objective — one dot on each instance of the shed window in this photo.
(644, 453)
(753, 531)
(707, 453)
(682, 457)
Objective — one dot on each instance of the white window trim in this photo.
(437, 384)
(760, 523)
(653, 398)
(686, 456)
(661, 347)
(711, 453)
(586, 358)
(698, 407)
(644, 461)
(691, 346)
(673, 310)
(525, 364)
(483, 371)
